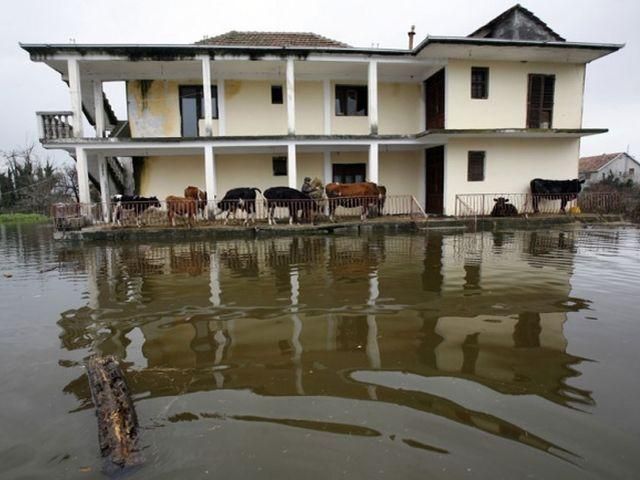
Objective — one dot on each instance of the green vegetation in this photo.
(22, 218)
(628, 190)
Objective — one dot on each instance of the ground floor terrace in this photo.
(438, 174)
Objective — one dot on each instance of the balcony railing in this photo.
(55, 125)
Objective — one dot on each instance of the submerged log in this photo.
(118, 431)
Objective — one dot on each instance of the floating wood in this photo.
(118, 431)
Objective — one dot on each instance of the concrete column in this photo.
(373, 97)
(373, 163)
(222, 113)
(422, 121)
(292, 164)
(76, 95)
(326, 168)
(99, 108)
(291, 101)
(82, 169)
(104, 186)
(326, 93)
(210, 178)
(208, 103)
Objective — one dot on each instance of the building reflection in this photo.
(290, 316)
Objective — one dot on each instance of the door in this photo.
(434, 158)
(434, 100)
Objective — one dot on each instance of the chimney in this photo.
(412, 33)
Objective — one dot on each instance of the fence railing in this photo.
(490, 204)
(182, 212)
(55, 125)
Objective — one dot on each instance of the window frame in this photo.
(277, 170)
(341, 92)
(484, 83)
(544, 107)
(473, 156)
(274, 100)
(199, 89)
(340, 171)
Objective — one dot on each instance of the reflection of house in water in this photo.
(290, 316)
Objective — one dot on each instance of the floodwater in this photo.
(475, 355)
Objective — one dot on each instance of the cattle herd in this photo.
(367, 196)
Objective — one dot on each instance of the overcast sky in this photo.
(612, 96)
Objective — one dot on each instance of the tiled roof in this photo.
(595, 163)
(272, 39)
(517, 23)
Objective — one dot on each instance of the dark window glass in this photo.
(475, 167)
(349, 172)
(351, 100)
(279, 166)
(192, 107)
(540, 101)
(479, 82)
(276, 94)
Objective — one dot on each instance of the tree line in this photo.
(31, 184)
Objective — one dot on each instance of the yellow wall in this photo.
(163, 176)
(400, 172)
(398, 108)
(249, 110)
(156, 113)
(309, 108)
(506, 106)
(510, 164)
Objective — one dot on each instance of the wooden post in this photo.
(118, 431)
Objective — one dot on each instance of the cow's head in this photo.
(501, 200)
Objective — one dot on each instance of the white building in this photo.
(482, 113)
(619, 165)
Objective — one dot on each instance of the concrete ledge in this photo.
(382, 225)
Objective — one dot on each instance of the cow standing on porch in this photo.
(352, 195)
(563, 190)
(180, 206)
(126, 206)
(200, 198)
(292, 199)
(243, 199)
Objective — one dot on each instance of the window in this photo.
(479, 82)
(279, 166)
(540, 101)
(351, 100)
(632, 172)
(475, 167)
(276, 95)
(192, 107)
(349, 172)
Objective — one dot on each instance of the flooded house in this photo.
(453, 115)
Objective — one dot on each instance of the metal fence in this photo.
(483, 204)
(184, 212)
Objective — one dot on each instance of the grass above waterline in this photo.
(22, 218)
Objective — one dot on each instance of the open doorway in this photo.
(434, 181)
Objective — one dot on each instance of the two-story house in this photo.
(452, 115)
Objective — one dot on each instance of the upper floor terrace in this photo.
(514, 76)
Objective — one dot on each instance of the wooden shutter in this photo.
(475, 166)
(540, 101)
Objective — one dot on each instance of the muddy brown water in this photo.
(486, 355)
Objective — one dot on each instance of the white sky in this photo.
(612, 96)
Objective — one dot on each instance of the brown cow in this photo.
(181, 206)
(352, 195)
(199, 196)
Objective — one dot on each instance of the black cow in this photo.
(563, 190)
(131, 205)
(242, 198)
(290, 198)
(503, 208)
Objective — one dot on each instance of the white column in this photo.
(83, 175)
(210, 178)
(326, 168)
(104, 186)
(326, 92)
(222, 115)
(292, 165)
(422, 121)
(373, 163)
(291, 101)
(99, 108)
(373, 97)
(206, 88)
(76, 95)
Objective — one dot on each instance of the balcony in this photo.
(55, 125)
